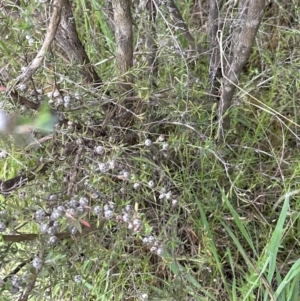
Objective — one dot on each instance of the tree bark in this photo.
(67, 38)
(215, 72)
(124, 40)
(243, 38)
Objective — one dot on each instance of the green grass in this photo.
(233, 232)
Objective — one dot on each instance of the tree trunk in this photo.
(124, 40)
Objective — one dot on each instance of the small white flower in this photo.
(16, 281)
(145, 240)
(126, 217)
(112, 206)
(126, 174)
(112, 164)
(31, 41)
(78, 278)
(61, 209)
(3, 154)
(59, 99)
(79, 141)
(153, 249)
(22, 87)
(151, 184)
(44, 228)
(163, 190)
(73, 203)
(137, 222)
(66, 105)
(97, 210)
(162, 196)
(108, 214)
(159, 251)
(83, 201)
(143, 297)
(161, 138)
(128, 208)
(148, 142)
(40, 215)
(130, 226)
(136, 186)
(56, 225)
(151, 239)
(80, 210)
(99, 150)
(168, 195)
(174, 202)
(103, 167)
(55, 214)
(52, 230)
(165, 146)
(37, 262)
(53, 197)
(52, 240)
(67, 98)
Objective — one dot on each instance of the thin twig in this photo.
(50, 35)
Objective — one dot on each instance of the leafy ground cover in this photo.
(157, 210)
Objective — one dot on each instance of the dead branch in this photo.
(23, 101)
(72, 180)
(51, 31)
(6, 187)
(63, 235)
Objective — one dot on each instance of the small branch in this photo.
(16, 270)
(50, 35)
(24, 101)
(61, 236)
(179, 22)
(32, 281)
(74, 172)
(215, 72)
(6, 187)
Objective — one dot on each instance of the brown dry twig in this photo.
(63, 235)
(50, 35)
(6, 187)
(71, 184)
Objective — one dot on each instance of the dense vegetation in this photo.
(136, 175)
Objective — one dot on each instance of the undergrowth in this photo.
(169, 213)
